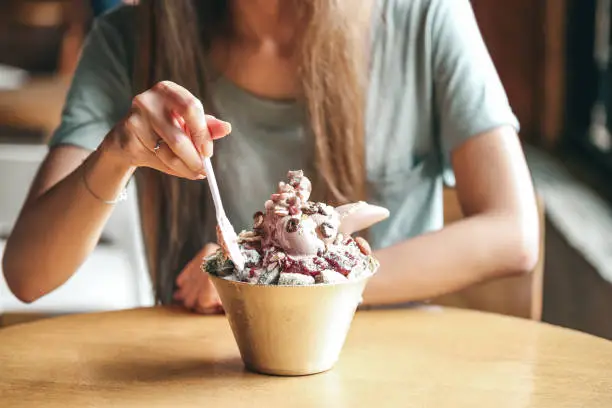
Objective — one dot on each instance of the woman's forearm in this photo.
(58, 229)
(62, 220)
(464, 253)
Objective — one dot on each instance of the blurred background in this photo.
(553, 58)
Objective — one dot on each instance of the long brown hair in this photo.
(174, 37)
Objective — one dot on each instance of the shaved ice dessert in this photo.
(292, 305)
(295, 241)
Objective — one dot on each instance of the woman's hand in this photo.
(167, 130)
(195, 290)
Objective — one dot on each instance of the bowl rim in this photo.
(317, 285)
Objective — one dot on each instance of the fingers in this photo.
(209, 249)
(139, 127)
(170, 113)
(190, 108)
(160, 122)
(190, 297)
(218, 128)
(198, 296)
(209, 310)
(175, 166)
(183, 295)
(195, 290)
(187, 274)
(193, 268)
(193, 299)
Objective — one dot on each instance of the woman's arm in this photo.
(62, 219)
(498, 237)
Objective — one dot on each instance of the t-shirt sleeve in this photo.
(470, 98)
(100, 93)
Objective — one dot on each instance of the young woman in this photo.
(374, 99)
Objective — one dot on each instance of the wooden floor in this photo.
(575, 295)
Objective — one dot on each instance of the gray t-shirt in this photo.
(432, 86)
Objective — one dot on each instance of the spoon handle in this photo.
(227, 230)
(214, 189)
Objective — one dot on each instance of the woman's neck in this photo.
(262, 21)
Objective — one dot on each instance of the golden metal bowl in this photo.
(290, 330)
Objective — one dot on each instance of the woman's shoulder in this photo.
(408, 14)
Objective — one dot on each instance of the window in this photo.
(589, 96)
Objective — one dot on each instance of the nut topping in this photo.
(363, 245)
(258, 220)
(292, 225)
(327, 230)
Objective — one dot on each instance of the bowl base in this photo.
(286, 373)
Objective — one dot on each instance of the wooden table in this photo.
(403, 358)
